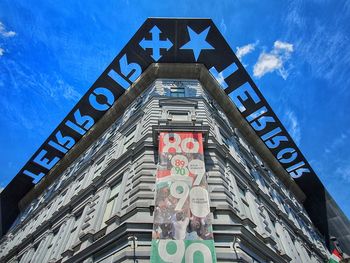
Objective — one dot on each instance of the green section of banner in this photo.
(183, 251)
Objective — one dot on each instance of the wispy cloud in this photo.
(50, 90)
(4, 32)
(279, 45)
(336, 143)
(344, 172)
(223, 26)
(68, 91)
(274, 60)
(322, 41)
(244, 50)
(292, 125)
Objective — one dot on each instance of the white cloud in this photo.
(274, 60)
(266, 63)
(279, 45)
(4, 32)
(2, 51)
(292, 126)
(244, 50)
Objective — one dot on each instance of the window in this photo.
(36, 245)
(46, 213)
(242, 141)
(224, 139)
(177, 91)
(61, 198)
(242, 194)
(286, 208)
(138, 104)
(74, 230)
(178, 116)
(79, 182)
(129, 138)
(98, 166)
(50, 245)
(268, 188)
(113, 197)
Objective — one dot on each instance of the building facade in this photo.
(101, 206)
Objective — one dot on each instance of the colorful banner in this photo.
(182, 229)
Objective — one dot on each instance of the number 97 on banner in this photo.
(179, 190)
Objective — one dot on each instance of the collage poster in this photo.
(182, 228)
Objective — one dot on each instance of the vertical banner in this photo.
(182, 229)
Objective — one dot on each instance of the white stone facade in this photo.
(89, 212)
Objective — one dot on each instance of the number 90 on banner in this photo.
(184, 251)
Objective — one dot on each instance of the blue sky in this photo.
(298, 53)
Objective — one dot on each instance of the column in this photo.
(69, 194)
(95, 166)
(302, 252)
(54, 205)
(118, 204)
(254, 211)
(138, 131)
(99, 212)
(75, 238)
(89, 175)
(29, 254)
(42, 249)
(291, 245)
(66, 236)
(269, 223)
(38, 217)
(6, 245)
(258, 178)
(61, 239)
(237, 198)
(284, 241)
(314, 258)
(50, 247)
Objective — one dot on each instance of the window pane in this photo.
(179, 116)
(177, 92)
(115, 190)
(242, 192)
(108, 212)
(247, 210)
(130, 138)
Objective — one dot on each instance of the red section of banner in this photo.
(180, 142)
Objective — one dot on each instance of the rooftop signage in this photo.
(171, 40)
(175, 41)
